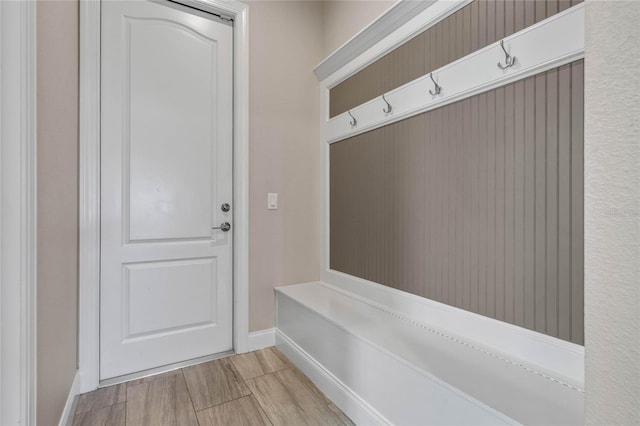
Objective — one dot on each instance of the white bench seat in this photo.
(391, 369)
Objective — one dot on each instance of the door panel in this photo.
(187, 286)
(170, 187)
(166, 282)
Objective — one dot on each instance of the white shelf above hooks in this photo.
(548, 44)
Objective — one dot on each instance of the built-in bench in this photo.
(383, 366)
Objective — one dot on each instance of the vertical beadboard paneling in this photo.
(509, 204)
(473, 27)
(500, 125)
(577, 201)
(552, 203)
(540, 249)
(482, 203)
(564, 201)
(529, 203)
(519, 230)
(478, 204)
(491, 203)
(540, 10)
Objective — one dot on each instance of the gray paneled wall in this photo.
(473, 27)
(478, 204)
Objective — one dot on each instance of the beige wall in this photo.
(287, 40)
(612, 213)
(345, 18)
(285, 45)
(57, 205)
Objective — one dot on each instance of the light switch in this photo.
(272, 201)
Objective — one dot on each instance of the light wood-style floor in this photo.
(257, 388)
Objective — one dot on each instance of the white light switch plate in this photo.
(272, 200)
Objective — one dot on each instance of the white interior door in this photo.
(166, 169)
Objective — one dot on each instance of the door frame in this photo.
(89, 179)
(18, 213)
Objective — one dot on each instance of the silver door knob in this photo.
(225, 207)
(224, 226)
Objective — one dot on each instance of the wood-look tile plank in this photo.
(177, 372)
(100, 398)
(243, 411)
(275, 400)
(164, 401)
(301, 375)
(283, 357)
(288, 400)
(111, 415)
(213, 383)
(343, 417)
(257, 363)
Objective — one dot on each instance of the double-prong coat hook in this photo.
(388, 109)
(437, 89)
(509, 60)
(353, 120)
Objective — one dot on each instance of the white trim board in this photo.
(89, 176)
(380, 46)
(396, 16)
(18, 209)
(262, 339)
(548, 44)
(66, 419)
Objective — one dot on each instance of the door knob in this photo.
(225, 207)
(224, 226)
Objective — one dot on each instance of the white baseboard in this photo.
(351, 404)
(70, 406)
(262, 339)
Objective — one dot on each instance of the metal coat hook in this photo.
(388, 109)
(353, 122)
(508, 59)
(437, 88)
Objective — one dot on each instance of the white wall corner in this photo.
(18, 208)
(612, 213)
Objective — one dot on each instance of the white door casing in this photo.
(18, 210)
(166, 168)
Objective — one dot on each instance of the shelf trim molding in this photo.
(553, 42)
